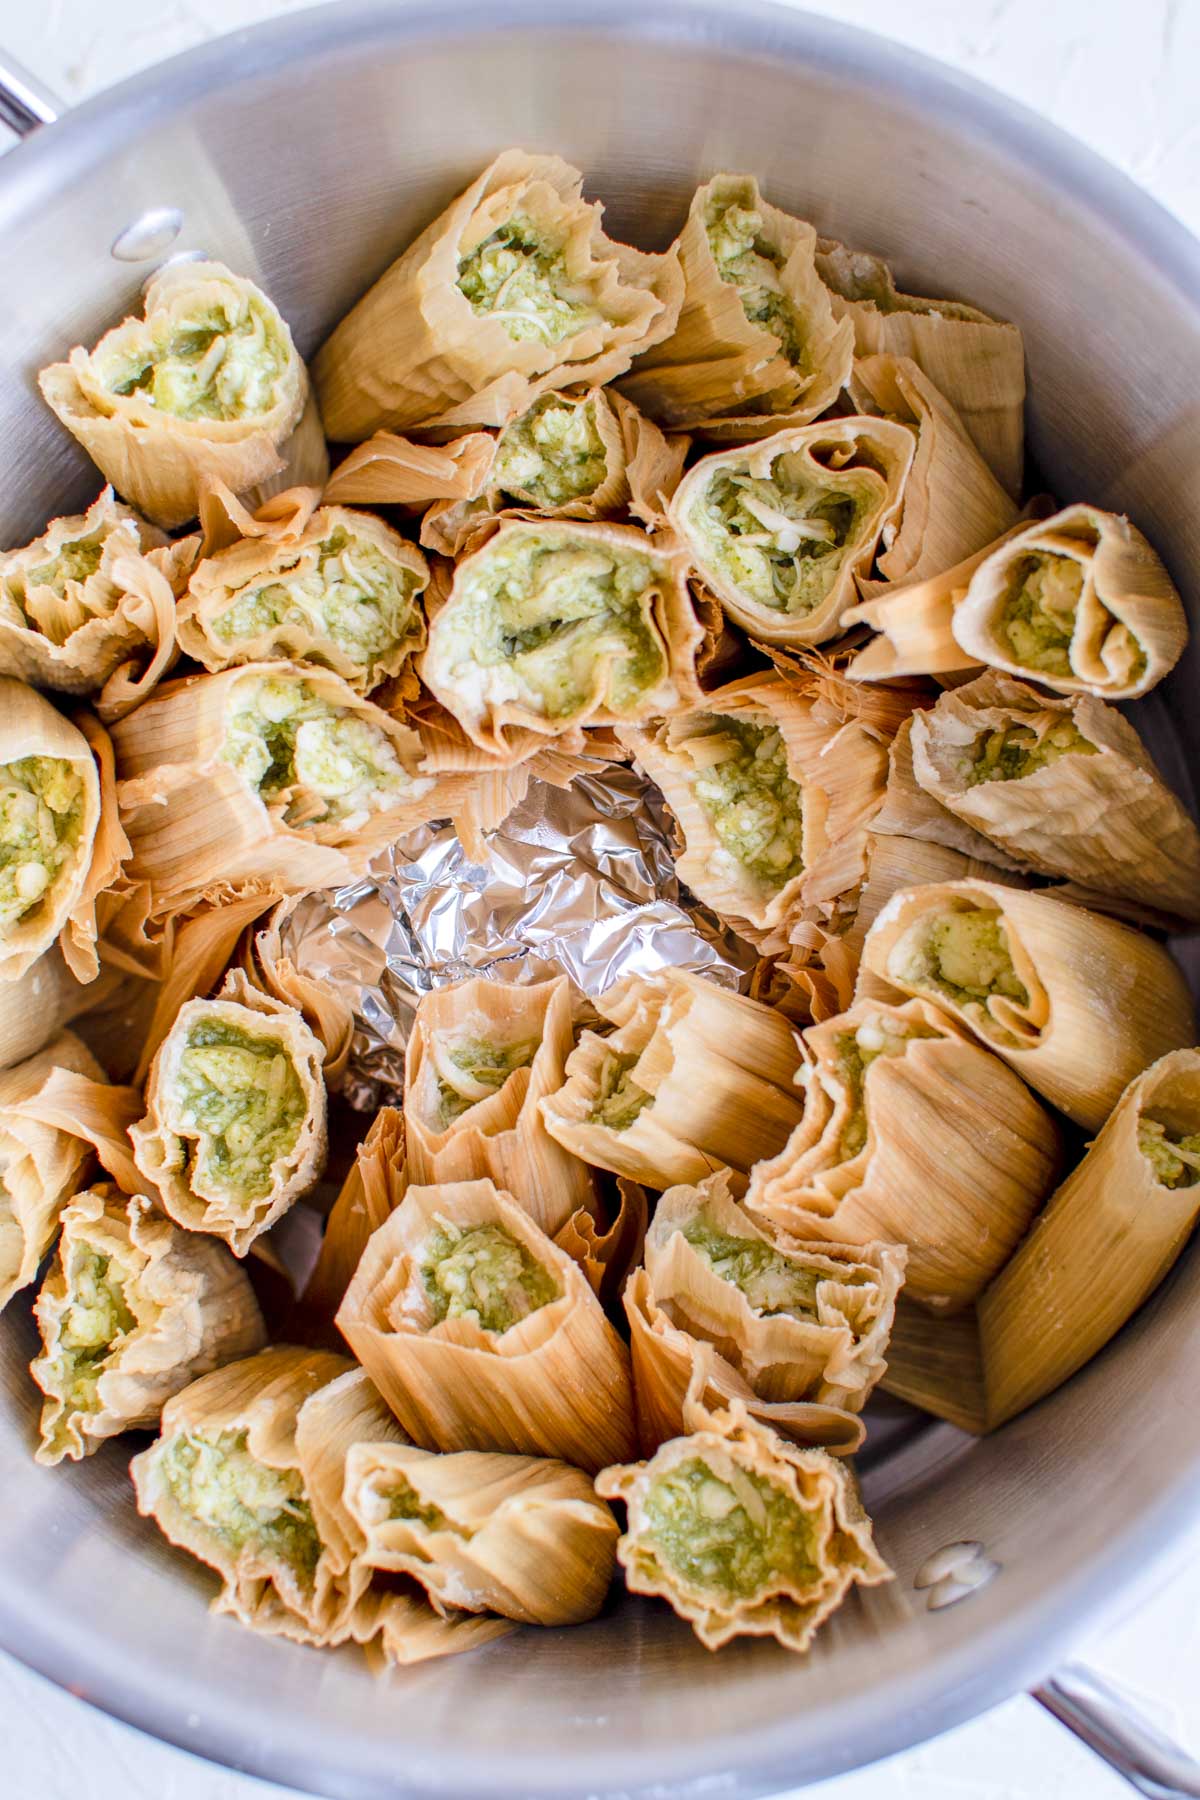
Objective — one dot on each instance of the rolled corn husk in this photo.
(521, 1536)
(555, 1382)
(415, 351)
(235, 1124)
(57, 828)
(953, 504)
(157, 441)
(131, 1311)
(606, 1241)
(757, 346)
(80, 602)
(797, 1566)
(693, 1079)
(914, 623)
(976, 361)
(393, 471)
(269, 597)
(40, 1166)
(1063, 787)
(268, 967)
(1105, 1241)
(623, 654)
(1111, 624)
(855, 469)
(570, 456)
(912, 1134)
(198, 821)
(756, 768)
(481, 1056)
(909, 810)
(1101, 1001)
(374, 1186)
(797, 1321)
(935, 1362)
(35, 1007)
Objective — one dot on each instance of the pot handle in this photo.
(1106, 1719)
(25, 102)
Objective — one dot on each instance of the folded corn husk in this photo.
(193, 1162)
(268, 967)
(1103, 817)
(414, 352)
(196, 823)
(909, 810)
(703, 1077)
(374, 1186)
(607, 1242)
(953, 504)
(344, 557)
(744, 1462)
(935, 1362)
(1103, 1244)
(393, 471)
(82, 600)
(835, 767)
(154, 457)
(913, 1135)
(494, 691)
(860, 463)
(554, 1383)
(130, 1312)
(463, 1128)
(915, 623)
(40, 1166)
(1102, 1001)
(521, 1536)
(976, 361)
(720, 372)
(1123, 631)
(590, 455)
(35, 1007)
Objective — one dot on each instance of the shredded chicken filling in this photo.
(1173, 1156)
(226, 363)
(771, 1282)
(552, 454)
(750, 800)
(519, 277)
(781, 539)
(94, 1321)
(856, 1051)
(1015, 751)
(41, 816)
(750, 262)
(239, 1104)
(470, 1069)
(481, 1272)
(1038, 621)
(727, 1532)
(244, 1503)
(619, 1099)
(963, 955)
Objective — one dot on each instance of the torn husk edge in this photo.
(42, 1163)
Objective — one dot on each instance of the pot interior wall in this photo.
(306, 155)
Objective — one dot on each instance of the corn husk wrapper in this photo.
(935, 1362)
(835, 1358)
(877, 453)
(40, 1166)
(642, 469)
(665, 608)
(167, 1147)
(607, 1243)
(192, 1307)
(1104, 1001)
(524, 1536)
(374, 1186)
(1105, 1241)
(557, 1383)
(75, 639)
(1130, 627)
(267, 967)
(414, 352)
(914, 624)
(76, 1100)
(910, 811)
(35, 1007)
(195, 825)
(977, 362)
(220, 580)
(156, 461)
(501, 1136)
(838, 766)
(394, 471)
(957, 1154)
(1107, 821)
(718, 1069)
(732, 1445)
(953, 504)
(719, 373)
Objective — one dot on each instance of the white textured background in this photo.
(1123, 75)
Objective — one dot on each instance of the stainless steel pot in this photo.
(307, 152)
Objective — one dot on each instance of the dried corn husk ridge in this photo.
(998, 1151)
(192, 1307)
(389, 470)
(414, 353)
(717, 1069)
(914, 622)
(42, 1165)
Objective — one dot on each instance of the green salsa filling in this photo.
(483, 1273)
(1039, 615)
(781, 540)
(241, 1095)
(552, 454)
(470, 1069)
(856, 1051)
(226, 363)
(965, 957)
(96, 1316)
(750, 800)
(771, 1282)
(1015, 751)
(245, 1504)
(735, 1535)
(1174, 1157)
(322, 763)
(356, 597)
(41, 816)
(619, 1099)
(519, 277)
(73, 561)
(751, 263)
(403, 1502)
